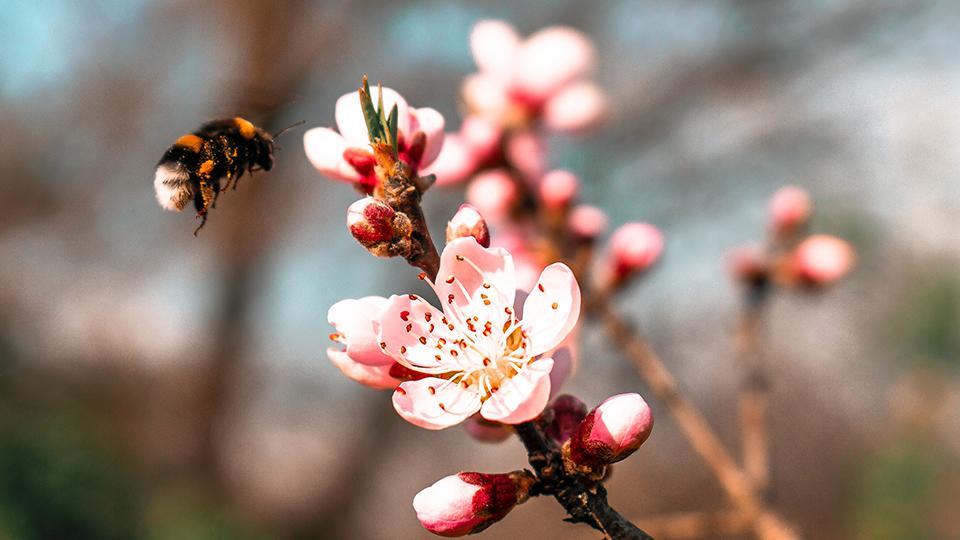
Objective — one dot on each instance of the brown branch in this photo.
(705, 442)
(754, 391)
(584, 498)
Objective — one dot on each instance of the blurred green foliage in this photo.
(895, 492)
(927, 324)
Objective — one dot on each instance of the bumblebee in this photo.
(202, 164)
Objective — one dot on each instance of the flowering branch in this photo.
(583, 497)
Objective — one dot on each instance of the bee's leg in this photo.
(203, 202)
(201, 212)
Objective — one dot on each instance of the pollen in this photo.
(459, 257)
(449, 280)
(428, 316)
(403, 350)
(540, 286)
(247, 131)
(449, 298)
(423, 340)
(404, 315)
(432, 390)
(554, 305)
(206, 167)
(336, 336)
(190, 142)
(409, 327)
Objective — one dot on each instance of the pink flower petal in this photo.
(434, 403)
(468, 272)
(494, 193)
(486, 96)
(494, 45)
(430, 122)
(454, 164)
(324, 148)
(350, 119)
(577, 107)
(552, 309)
(353, 320)
(551, 58)
(522, 397)
(414, 332)
(373, 376)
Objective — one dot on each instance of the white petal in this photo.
(552, 309)
(434, 403)
(523, 397)
(324, 148)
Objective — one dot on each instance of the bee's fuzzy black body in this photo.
(199, 165)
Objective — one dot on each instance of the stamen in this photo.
(554, 305)
(540, 286)
(404, 315)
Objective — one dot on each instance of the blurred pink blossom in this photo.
(587, 222)
(789, 209)
(558, 188)
(465, 151)
(346, 155)
(634, 247)
(478, 354)
(528, 153)
(821, 259)
(493, 193)
(543, 74)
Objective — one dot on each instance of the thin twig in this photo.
(684, 525)
(754, 390)
(705, 442)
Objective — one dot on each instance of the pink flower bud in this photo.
(375, 225)
(789, 209)
(822, 259)
(634, 247)
(468, 222)
(568, 412)
(527, 151)
(493, 193)
(470, 502)
(587, 222)
(487, 431)
(558, 189)
(612, 431)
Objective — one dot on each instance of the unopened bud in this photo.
(493, 193)
(558, 189)
(470, 502)
(612, 431)
(468, 222)
(568, 412)
(821, 260)
(789, 210)
(587, 223)
(634, 247)
(380, 229)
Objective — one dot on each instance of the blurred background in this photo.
(156, 385)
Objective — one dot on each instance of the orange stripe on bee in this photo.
(247, 131)
(190, 141)
(206, 167)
